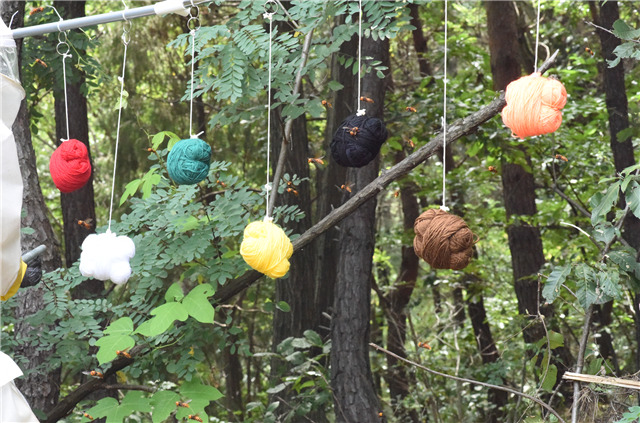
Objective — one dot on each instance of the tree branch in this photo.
(472, 381)
(66, 406)
(456, 130)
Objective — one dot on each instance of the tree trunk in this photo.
(518, 185)
(77, 205)
(328, 179)
(419, 41)
(622, 149)
(41, 389)
(486, 345)
(354, 393)
(398, 379)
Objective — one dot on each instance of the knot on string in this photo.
(361, 112)
(188, 161)
(443, 240)
(266, 248)
(69, 166)
(106, 256)
(534, 105)
(358, 140)
(268, 15)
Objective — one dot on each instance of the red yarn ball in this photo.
(70, 166)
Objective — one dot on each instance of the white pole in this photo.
(181, 7)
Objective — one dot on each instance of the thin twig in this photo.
(471, 381)
(608, 30)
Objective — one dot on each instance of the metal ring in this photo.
(193, 24)
(194, 12)
(62, 53)
(274, 7)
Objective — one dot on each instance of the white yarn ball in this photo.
(106, 256)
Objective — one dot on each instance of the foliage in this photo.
(187, 237)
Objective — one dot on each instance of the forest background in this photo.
(553, 286)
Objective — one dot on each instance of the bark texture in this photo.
(354, 393)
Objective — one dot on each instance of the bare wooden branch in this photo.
(603, 380)
(472, 381)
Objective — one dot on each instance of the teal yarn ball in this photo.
(188, 161)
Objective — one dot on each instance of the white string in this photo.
(268, 187)
(444, 117)
(535, 61)
(193, 62)
(115, 154)
(361, 111)
(66, 102)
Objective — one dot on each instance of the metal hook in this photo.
(13, 16)
(55, 10)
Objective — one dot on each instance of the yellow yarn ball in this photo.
(266, 248)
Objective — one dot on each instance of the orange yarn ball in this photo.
(534, 105)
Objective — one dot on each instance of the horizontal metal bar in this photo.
(87, 21)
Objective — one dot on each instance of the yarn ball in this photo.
(70, 166)
(266, 248)
(534, 105)
(443, 240)
(188, 161)
(358, 140)
(106, 256)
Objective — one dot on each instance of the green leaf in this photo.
(198, 306)
(163, 403)
(103, 407)
(165, 315)
(150, 179)
(554, 282)
(313, 337)
(135, 401)
(555, 340)
(604, 232)
(199, 394)
(335, 86)
(174, 293)
(585, 281)
(110, 344)
(609, 284)
(122, 326)
(607, 202)
(550, 379)
(628, 50)
(624, 31)
(130, 190)
(632, 195)
(283, 306)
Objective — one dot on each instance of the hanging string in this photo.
(535, 61)
(63, 49)
(126, 37)
(361, 111)
(269, 15)
(444, 116)
(193, 24)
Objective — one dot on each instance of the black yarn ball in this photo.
(358, 140)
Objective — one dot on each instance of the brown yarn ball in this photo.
(443, 240)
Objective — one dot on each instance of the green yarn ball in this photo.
(188, 161)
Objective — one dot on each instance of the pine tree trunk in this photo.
(354, 393)
(41, 389)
